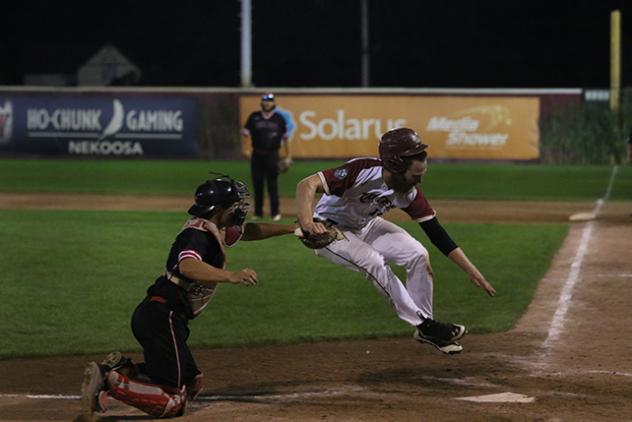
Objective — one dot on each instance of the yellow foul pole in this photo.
(615, 59)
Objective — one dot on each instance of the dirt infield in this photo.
(449, 210)
(567, 359)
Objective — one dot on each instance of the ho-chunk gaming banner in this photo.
(58, 124)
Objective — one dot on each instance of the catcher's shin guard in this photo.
(195, 386)
(150, 398)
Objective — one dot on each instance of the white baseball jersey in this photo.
(356, 193)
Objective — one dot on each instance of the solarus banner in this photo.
(98, 125)
(466, 127)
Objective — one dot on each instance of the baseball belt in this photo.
(185, 284)
(158, 299)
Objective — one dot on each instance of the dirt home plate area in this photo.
(568, 359)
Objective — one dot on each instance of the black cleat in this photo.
(440, 335)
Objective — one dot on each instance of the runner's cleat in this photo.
(440, 335)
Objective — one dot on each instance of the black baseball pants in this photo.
(263, 167)
(163, 334)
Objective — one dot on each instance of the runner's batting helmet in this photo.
(220, 192)
(396, 144)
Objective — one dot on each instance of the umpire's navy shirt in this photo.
(266, 134)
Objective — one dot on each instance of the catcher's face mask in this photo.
(239, 210)
(238, 213)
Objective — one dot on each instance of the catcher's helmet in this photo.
(396, 144)
(223, 192)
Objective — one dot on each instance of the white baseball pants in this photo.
(372, 249)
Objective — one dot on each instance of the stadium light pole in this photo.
(615, 59)
(246, 43)
(364, 11)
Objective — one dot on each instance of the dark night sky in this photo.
(317, 42)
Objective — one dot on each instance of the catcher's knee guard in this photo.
(150, 398)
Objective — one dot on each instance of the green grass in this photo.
(622, 187)
(149, 177)
(532, 182)
(463, 181)
(72, 279)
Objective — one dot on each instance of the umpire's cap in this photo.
(222, 192)
(397, 144)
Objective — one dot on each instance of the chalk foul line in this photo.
(557, 323)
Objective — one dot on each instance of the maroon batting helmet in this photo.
(396, 144)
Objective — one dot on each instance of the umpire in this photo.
(268, 131)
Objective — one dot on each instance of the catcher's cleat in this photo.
(440, 335)
(115, 360)
(93, 385)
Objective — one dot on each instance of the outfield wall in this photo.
(326, 123)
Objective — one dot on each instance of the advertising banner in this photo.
(59, 124)
(455, 127)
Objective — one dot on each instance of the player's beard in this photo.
(400, 184)
(268, 107)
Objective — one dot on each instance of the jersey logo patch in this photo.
(340, 173)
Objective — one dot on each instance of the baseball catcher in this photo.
(356, 195)
(169, 377)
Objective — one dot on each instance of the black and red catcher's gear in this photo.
(396, 145)
(221, 192)
(156, 400)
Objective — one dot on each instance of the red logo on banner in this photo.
(3, 120)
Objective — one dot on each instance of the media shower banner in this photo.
(465, 127)
(98, 125)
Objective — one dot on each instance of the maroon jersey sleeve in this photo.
(337, 180)
(419, 209)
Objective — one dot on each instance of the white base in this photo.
(500, 398)
(582, 216)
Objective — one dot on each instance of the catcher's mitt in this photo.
(284, 164)
(318, 241)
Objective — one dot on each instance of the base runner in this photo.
(356, 194)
